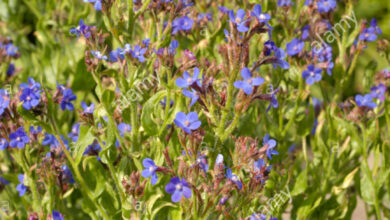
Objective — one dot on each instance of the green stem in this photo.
(295, 110)
(31, 182)
(376, 201)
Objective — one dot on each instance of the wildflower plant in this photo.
(182, 109)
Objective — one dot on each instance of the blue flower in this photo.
(305, 32)
(192, 95)
(312, 74)
(249, 81)
(19, 138)
(11, 50)
(233, 178)
(124, 128)
(67, 97)
(257, 216)
(98, 55)
(93, 148)
(81, 29)
(4, 100)
(116, 55)
(3, 181)
(187, 80)
(178, 188)
(88, 109)
(21, 188)
(326, 5)
(29, 98)
(74, 134)
(67, 174)
(261, 17)
(3, 144)
(10, 69)
(187, 122)
(150, 170)
(98, 4)
(368, 34)
(374, 25)
(294, 47)
(182, 24)
(138, 53)
(57, 215)
(201, 161)
(270, 144)
(50, 140)
(274, 101)
(31, 84)
(164, 102)
(282, 3)
(239, 20)
(281, 55)
(365, 101)
(378, 92)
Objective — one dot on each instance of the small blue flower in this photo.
(67, 97)
(117, 55)
(238, 19)
(274, 101)
(3, 181)
(365, 101)
(74, 134)
(187, 122)
(124, 128)
(270, 144)
(67, 174)
(182, 24)
(368, 34)
(93, 148)
(375, 25)
(150, 170)
(4, 100)
(178, 188)
(234, 178)
(187, 80)
(88, 109)
(192, 95)
(249, 81)
(312, 74)
(219, 159)
(294, 47)
(10, 69)
(281, 55)
(326, 5)
(98, 4)
(261, 17)
(164, 102)
(19, 138)
(98, 55)
(282, 3)
(11, 50)
(138, 53)
(3, 144)
(257, 216)
(378, 92)
(57, 215)
(81, 29)
(21, 188)
(50, 140)
(201, 161)
(305, 32)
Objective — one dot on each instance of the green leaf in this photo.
(301, 184)
(148, 112)
(86, 138)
